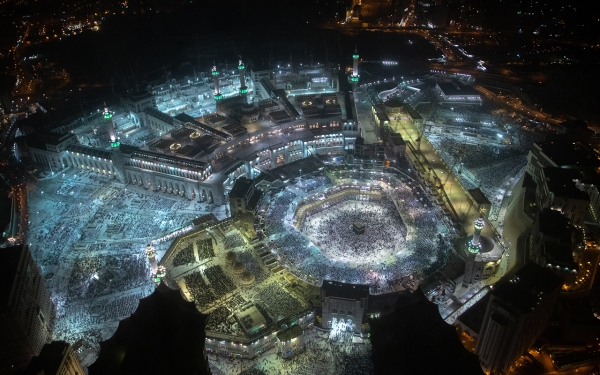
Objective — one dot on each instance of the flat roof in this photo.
(345, 290)
(456, 88)
(554, 224)
(290, 333)
(567, 154)
(529, 284)
(159, 115)
(241, 187)
(94, 152)
(478, 196)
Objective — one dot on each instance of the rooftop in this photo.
(478, 196)
(554, 224)
(241, 187)
(414, 339)
(566, 154)
(289, 333)
(530, 284)
(345, 290)
(456, 88)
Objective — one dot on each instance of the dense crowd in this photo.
(199, 290)
(331, 229)
(219, 282)
(320, 356)
(205, 248)
(419, 253)
(185, 255)
(251, 265)
(217, 321)
(278, 303)
(484, 166)
(233, 239)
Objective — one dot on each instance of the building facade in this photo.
(517, 313)
(27, 314)
(344, 301)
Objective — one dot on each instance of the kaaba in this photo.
(358, 228)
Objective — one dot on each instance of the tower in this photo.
(112, 130)
(355, 74)
(243, 87)
(151, 254)
(215, 73)
(472, 250)
(115, 146)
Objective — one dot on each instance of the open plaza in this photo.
(329, 209)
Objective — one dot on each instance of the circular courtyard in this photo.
(355, 228)
(378, 229)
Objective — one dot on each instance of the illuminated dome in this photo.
(175, 146)
(238, 268)
(247, 278)
(230, 257)
(195, 135)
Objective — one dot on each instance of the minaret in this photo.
(474, 244)
(161, 272)
(215, 73)
(473, 247)
(151, 254)
(355, 74)
(112, 131)
(117, 155)
(243, 87)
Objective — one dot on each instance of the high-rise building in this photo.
(517, 313)
(355, 76)
(26, 312)
(56, 358)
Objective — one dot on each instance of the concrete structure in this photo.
(457, 92)
(517, 313)
(217, 91)
(480, 201)
(355, 76)
(135, 105)
(553, 244)
(243, 197)
(26, 312)
(56, 358)
(482, 256)
(344, 301)
(412, 338)
(165, 334)
(557, 191)
(561, 154)
(291, 341)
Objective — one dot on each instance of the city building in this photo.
(517, 313)
(457, 92)
(480, 202)
(344, 301)
(557, 191)
(412, 338)
(483, 256)
(554, 244)
(56, 358)
(564, 154)
(26, 312)
(291, 341)
(243, 197)
(165, 335)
